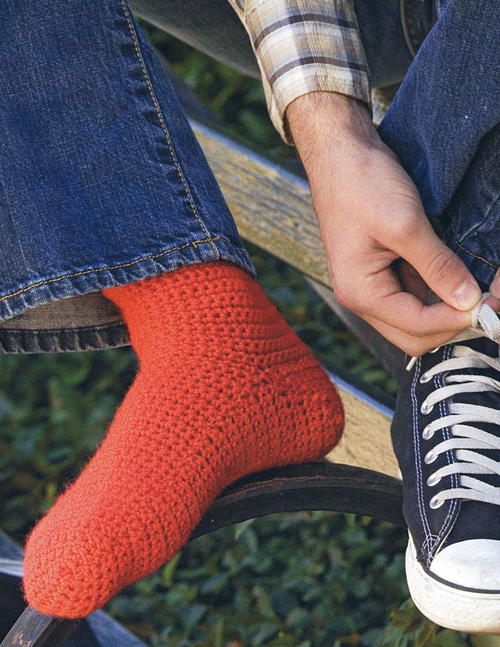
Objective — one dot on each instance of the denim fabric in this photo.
(444, 126)
(102, 182)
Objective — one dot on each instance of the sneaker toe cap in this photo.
(473, 564)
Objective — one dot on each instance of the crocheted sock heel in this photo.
(224, 388)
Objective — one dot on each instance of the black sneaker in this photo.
(446, 435)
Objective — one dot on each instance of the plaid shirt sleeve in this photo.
(305, 46)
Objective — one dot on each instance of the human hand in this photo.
(495, 286)
(370, 215)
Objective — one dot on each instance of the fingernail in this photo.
(467, 295)
(495, 286)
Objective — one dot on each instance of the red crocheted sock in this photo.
(224, 388)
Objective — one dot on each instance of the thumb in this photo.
(442, 270)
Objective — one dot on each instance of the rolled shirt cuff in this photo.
(305, 46)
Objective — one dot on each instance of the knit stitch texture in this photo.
(224, 388)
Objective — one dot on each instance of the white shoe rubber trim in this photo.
(448, 606)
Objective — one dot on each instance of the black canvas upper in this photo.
(457, 519)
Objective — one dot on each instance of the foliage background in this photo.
(304, 580)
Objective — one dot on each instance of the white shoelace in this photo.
(466, 439)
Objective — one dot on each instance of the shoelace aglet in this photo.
(483, 318)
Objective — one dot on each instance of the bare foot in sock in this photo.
(224, 388)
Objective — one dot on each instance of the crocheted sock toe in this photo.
(224, 388)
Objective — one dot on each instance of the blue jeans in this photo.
(102, 182)
(117, 189)
(444, 125)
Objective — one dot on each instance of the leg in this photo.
(224, 386)
(102, 181)
(472, 217)
(209, 25)
(444, 125)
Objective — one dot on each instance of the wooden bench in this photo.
(361, 475)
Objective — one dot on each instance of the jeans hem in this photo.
(64, 340)
(34, 340)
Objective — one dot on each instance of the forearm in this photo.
(328, 122)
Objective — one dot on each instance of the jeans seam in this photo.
(467, 251)
(113, 267)
(484, 219)
(156, 104)
(408, 27)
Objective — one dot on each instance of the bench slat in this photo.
(272, 208)
(366, 441)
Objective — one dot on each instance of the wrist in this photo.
(325, 121)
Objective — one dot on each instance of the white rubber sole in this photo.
(448, 606)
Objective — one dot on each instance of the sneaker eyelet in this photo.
(435, 502)
(433, 480)
(430, 457)
(424, 378)
(427, 433)
(426, 408)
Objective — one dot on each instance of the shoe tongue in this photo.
(478, 520)
(482, 345)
